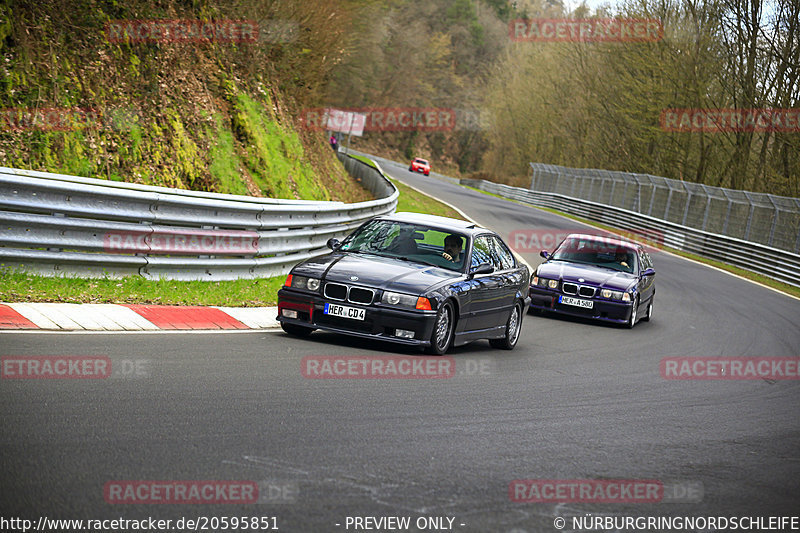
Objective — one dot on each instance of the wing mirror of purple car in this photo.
(334, 244)
(648, 272)
(544, 254)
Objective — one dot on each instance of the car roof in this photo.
(420, 159)
(608, 240)
(445, 223)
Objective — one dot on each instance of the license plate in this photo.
(345, 312)
(577, 302)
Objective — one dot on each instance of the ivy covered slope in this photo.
(217, 115)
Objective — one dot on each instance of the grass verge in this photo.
(23, 287)
(764, 280)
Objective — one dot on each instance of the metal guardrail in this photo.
(772, 262)
(749, 216)
(53, 224)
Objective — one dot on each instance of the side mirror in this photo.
(483, 268)
(544, 254)
(334, 244)
(649, 272)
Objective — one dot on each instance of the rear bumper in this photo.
(605, 310)
(379, 323)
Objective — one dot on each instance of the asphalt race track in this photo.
(574, 400)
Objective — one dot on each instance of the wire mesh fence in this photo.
(756, 217)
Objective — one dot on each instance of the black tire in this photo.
(513, 327)
(410, 169)
(442, 336)
(649, 314)
(634, 313)
(296, 331)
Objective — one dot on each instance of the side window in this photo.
(481, 252)
(643, 262)
(504, 258)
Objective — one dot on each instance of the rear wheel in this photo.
(296, 331)
(513, 327)
(442, 335)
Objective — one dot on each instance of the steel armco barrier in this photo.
(771, 262)
(66, 225)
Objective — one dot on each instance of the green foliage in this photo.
(214, 116)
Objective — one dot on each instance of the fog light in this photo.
(289, 313)
(404, 333)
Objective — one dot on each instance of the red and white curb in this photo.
(123, 317)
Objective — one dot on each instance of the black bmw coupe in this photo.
(412, 279)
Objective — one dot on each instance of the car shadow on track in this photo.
(322, 338)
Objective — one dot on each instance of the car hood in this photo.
(377, 272)
(596, 276)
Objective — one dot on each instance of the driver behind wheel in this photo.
(452, 248)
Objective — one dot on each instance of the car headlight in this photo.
(399, 299)
(303, 282)
(615, 295)
(551, 283)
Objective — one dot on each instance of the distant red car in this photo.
(420, 165)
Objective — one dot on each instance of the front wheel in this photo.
(634, 311)
(296, 331)
(649, 315)
(513, 327)
(442, 335)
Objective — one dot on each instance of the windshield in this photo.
(596, 252)
(411, 242)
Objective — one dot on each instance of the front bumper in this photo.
(379, 322)
(605, 310)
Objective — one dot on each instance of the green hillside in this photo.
(80, 97)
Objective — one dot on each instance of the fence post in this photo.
(688, 203)
(669, 201)
(708, 207)
(774, 220)
(749, 216)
